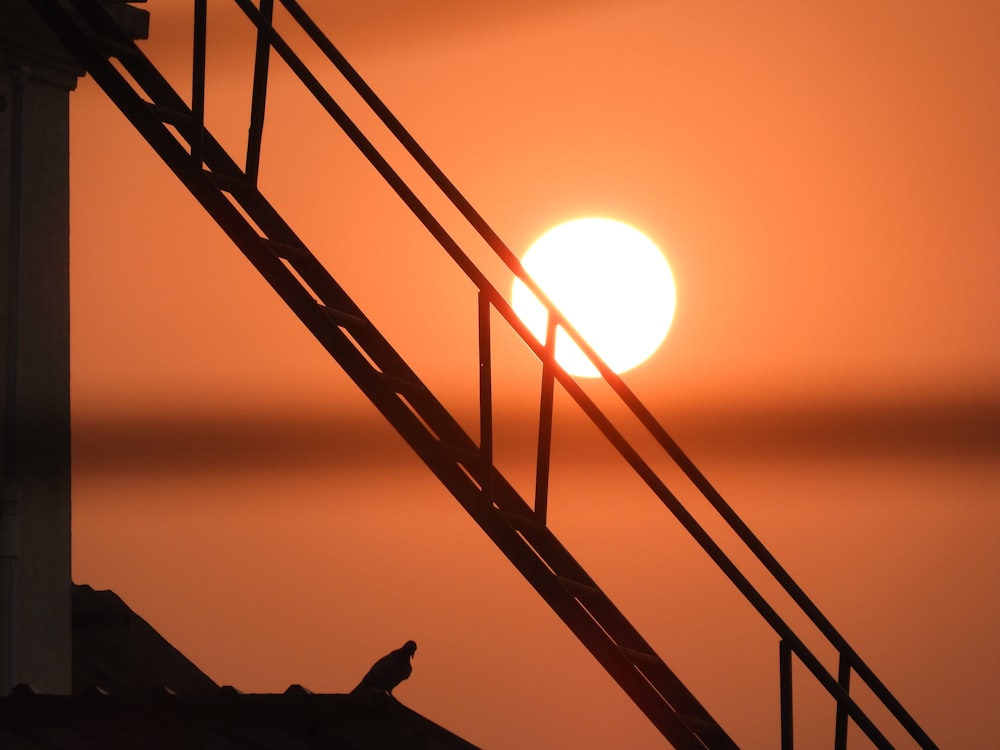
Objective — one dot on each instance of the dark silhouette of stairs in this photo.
(229, 192)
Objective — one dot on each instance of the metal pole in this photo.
(10, 519)
(485, 397)
(785, 678)
(545, 423)
(261, 59)
(844, 680)
(198, 71)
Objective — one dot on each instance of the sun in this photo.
(610, 281)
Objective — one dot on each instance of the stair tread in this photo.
(115, 48)
(520, 520)
(636, 655)
(349, 320)
(463, 451)
(286, 250)
(178, 117)
(231, 183)
(404, 384)
(579, 586)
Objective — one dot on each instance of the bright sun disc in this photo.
(610, 281)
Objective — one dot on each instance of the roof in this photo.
(225, 720)
(132, 690)
(118, 653)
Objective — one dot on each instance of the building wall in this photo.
(36, 77)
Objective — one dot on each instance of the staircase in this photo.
(228, 190)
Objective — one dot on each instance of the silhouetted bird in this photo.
(389, 671)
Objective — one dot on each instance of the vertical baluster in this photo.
(844, 680)
(198, 78)
(785, 671)
(545, 423)
(261, 59)
(485, 397)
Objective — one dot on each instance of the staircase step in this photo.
(286, 251)
(232, 184)
(578, 588)
(403, 385)
(134, 22)
(699, 725)
(637, 657)
(177, 117)
(346, 319)
(521, 520)
(465, 453)
(113, 48)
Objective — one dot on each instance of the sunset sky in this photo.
(824, 179)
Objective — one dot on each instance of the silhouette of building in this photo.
(133, 689)
(36, 77)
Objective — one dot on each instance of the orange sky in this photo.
(823, 179)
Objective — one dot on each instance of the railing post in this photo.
(545, 422)
(198, 79)
(485, 397)
(785, 681)
(844, 680)
(261, 59)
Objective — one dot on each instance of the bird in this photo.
(386, 673)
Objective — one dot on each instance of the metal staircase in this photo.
(229, 191)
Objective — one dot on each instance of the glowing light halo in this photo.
(610, 281)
